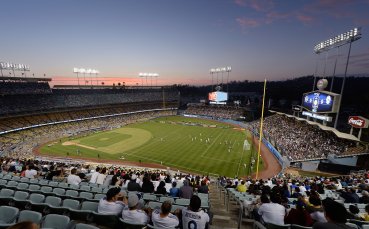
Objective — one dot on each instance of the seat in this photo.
(3, 183)
(84, 183)
(55, 221)
(68, 204)
(73, 186)
(50, 202)
(7, 177)
(85, 188)
(92, 185)
(63, 185)
(154, 205)
(27, 215)
(59, 191)
(43, 182)
(8, 216)
(87, 207)
(96, 190)
(352, 225)
(19, 196)
(163, 198)
(24, 180)
(6, 196)
(46, 190)
(16, 178)
(149, 197)
(86, 195)
(33, 181)
(22, 186)
(99, 196)
(71, 193)
(110, 221)
(182, 202)
(131, 225)
(84, 226)
(365, 226)
(296, 226)
(105, 190)
(151, 226)
(53, 184)
(34, 187)
(12, 184)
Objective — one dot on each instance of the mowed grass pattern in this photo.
(176, 142)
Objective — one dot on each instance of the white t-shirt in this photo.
(170, 221)
(193, 220)
(73, 179)
(100, 179)
(106, 207)
(30, 173)
(94, 177)
(136, 216)
(272, 213)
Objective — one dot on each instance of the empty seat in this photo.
(149, 197)
(73, 186)
(3, 183)
(16, 178)
(33, 181)
(27, 215)
(96, 189)
(34, 187)
(20, 199)
(8, 216)
(163, 198)
(71, 193)
(53, 184)
(63, 185)
(55, 221)
(93, 185)
(68, 204)
(46, 190)
(86, 195)
(85, 188)
(59, 191)
(7, 177)
(24, 180)
(43, 182)
(6, 196)
(183, 202)
(99, 196)
(22, 186)
(87, 207)
(110, 221)
(12, 184)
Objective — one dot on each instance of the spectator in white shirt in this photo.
(272, 212)
(163, 218)
(193, 217)
(31, 172)
(101, 177)
(132, 214)
(113, 203)
(94, 176)
(73, 178)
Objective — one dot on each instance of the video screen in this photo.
(218, 97)
(319, 102)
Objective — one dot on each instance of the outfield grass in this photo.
(176, 142)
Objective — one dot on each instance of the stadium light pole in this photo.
(229, 69)
(142, 78)
(334, 70)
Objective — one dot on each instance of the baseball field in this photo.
(188, 144)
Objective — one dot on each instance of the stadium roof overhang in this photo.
(326, 128)
(24, 79)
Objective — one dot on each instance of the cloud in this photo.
(248, 22)
(240, 2)
(306, 19)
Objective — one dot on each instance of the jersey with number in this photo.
(194, 220)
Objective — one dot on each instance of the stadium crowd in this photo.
(122, 180)
(218, 112)
(18, 88)
(316, 202)
(300, 141)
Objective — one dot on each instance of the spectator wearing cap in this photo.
(163, 218)
(186, 190)
(113, 203)
(132, 214)
(133, 186)
(336, 215)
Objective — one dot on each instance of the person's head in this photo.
(103, 171)
(31, 166)
(133, 177)
(132, 201)
(334, 211)
(264, 199)
(97, 169)
(297, 189)
(174, 184)
(166, 207)
(25, 225)
(186, 182)
(73, 171)
(161, 184)
(314, 200)
(113, 194)
(195, 203)
(365, 193)
(275, 198)
(354, 209)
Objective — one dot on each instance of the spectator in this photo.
(163, 218)
(95, 175)
(354, 213)
(316, 209)
(147, 185)
(299, 215)
(335, 214)
(31, 172)
(350, 196)
(174, 191)
(186, 190)
(73, 178)
(132, 214)
(161, 189)
(364, 199)
(193, 217)
(113, 203)
(272, 212)
(101, 177)
(241, 187)
(132, 185)
(366, 215)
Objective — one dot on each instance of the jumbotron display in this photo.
(218, 97)
(321, 102)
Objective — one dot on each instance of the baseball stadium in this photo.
(196, 144)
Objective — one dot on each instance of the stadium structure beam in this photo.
(218, 70)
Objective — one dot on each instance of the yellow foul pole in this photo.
(261, 131)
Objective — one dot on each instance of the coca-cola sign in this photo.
(358, 122)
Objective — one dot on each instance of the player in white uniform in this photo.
(163, 218)
(193, 217)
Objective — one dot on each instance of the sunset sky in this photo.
(180, 40)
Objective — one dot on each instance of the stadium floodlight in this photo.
(84, 71)
(14, 67)
(147, 74)
(222, 70)
(339, 40)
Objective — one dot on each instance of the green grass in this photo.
(176, 142)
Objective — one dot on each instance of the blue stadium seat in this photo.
(55, 221)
